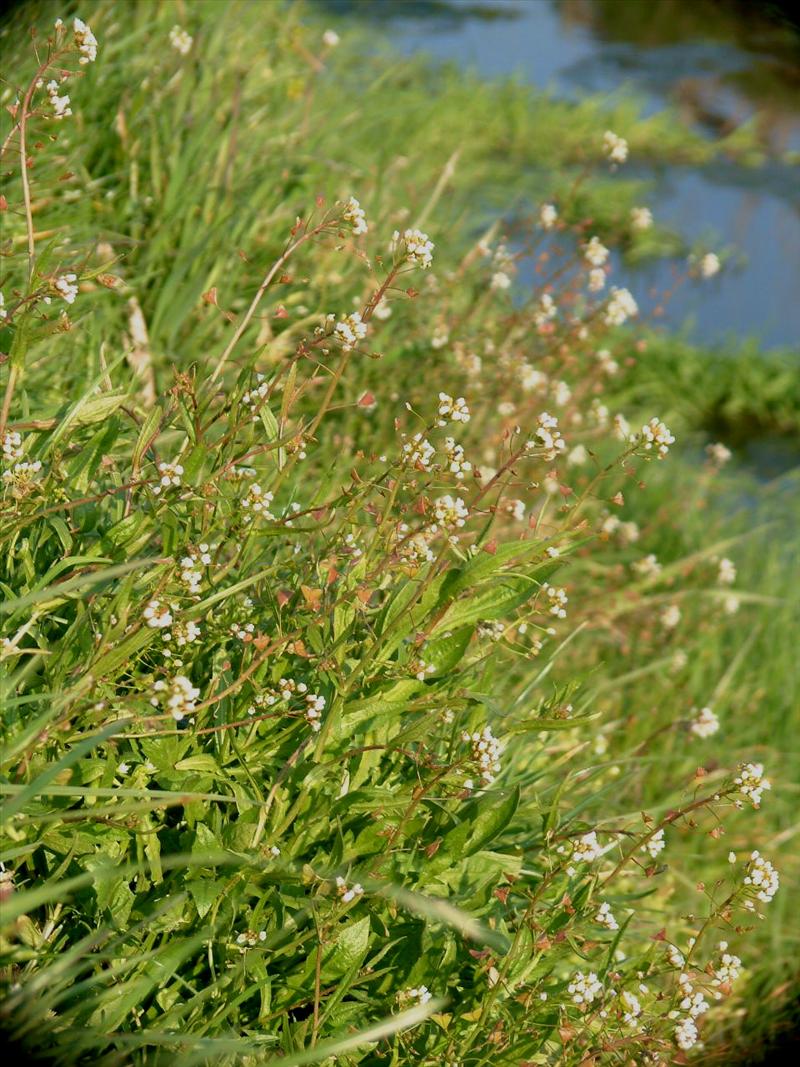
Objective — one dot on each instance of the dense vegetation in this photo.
(383, 681)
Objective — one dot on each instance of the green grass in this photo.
(137, 848)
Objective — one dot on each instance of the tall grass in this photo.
(343, 724)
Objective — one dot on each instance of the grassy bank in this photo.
(320, 696)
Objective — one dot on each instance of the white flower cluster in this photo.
(647, 567)
(729, 967)
(710, 265)
(595, 252)
(761, 878)
(315, 705)
(751, 782)
(195, 558)
(558, 600)
(587, 848)
(157, 615)
(418, 452)
(350, 330)
(621, 307)
(655, 844)
(608, 365)
(706, 724)
(179, 696)
(486, 751)
(348, 893)
(456, 464)
(670, 616)
(60, 104)
(656, 433)
(450, 511)
(253, 398)
(718, 453)
(250, 938)
(66, 288)
(330, 38)
(605, 917)
(257, 502)
(417, 248)
(354, 214)
(693, 1003)
(686, 1035)
(631, 1007)
(727, 572)
(169, 476)
(22, 478)
(641, 218)
(419, 993)
(615, 147)
(414, 549)
(454, 410)
(548, 435)
(85, 40)
(584, 988)
(546, 310)
(180, 40)
(11, 446)
(548, 216)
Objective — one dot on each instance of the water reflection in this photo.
(719, 63)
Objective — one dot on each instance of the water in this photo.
(719, 64)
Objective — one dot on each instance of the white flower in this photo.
(169, 476)
(450, 511)
(22, 478)
(587, 848)
(670, 616)
(706, 724)
(454, 410)
(621, 307)
(66, 287)
(595, 253)
(558, 599)
(751, 782)
(180, 40)
(641, 218)
(11, 446)
(622, 429)
(605, 917)
(655, 844)
(415, 247)
(597, 279)
(686, 1034)
(157, 615)
(709, 265)
(315, 705)
(456, 464)
(648, 566)
(330, 38)
(85, 40)
(656, 433)
(546, 310)
(727, 572)
(729, 967)
(577, 457)
(348, 893)
(584, 987)
(257, 502)
(420, 993)
(608, 365)
(548, 216)
(354, 214)
(419, 452)
(632, 1009)
(615, 147)
(486, 750)
(350, 330)
(500, 280)
(60, 104)
(731, 604)
(718, 453)
(548, 436)
(761, 878)
(180, 696)
(190, 574)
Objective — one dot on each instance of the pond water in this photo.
(720, 63)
